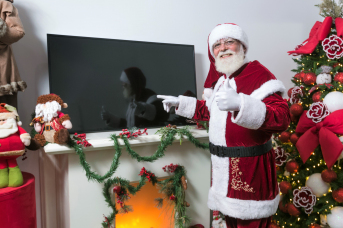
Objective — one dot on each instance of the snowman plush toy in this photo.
(13, 140)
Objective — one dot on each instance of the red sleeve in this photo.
(21, 130)
(201, 111)
(277, 116)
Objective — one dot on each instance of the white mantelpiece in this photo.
(70, 200)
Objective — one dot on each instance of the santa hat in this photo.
(8, 111)
(51, 97)
(219, 32)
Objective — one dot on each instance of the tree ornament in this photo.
(289, 92)
(325, 69)
(316, 96)
(318, 186)
(294, 138)
(296, 94)
(305, 198)
(296, 109)
(328, 175)
(323, 78)
(299, 76)
(335, 65)
(335, 219)
(338, 77)
(314, 226)
(292, 166)
(333, 46)
(309, 78)
(284, 136)
(285, 186)
(338, 195)
(334, 101)
(116, 189)
(294, 118)
(317, 112)
(280, 156)
(282, 207)
(293, 210)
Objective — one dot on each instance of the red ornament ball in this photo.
(274, 225)
(292, 210)
(316, 96)
(289, 93)
(283, 208)
(294, 138)
(296, 109)
(116, 189)
(292, 166)
(314, 226)
(335, 65)
(284, 136)
(338, 77)
(338, 195)
(329, 175)
(310, 78)
(285, 186)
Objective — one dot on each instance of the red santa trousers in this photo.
(253, 223)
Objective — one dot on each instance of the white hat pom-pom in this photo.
(208, 93)
(19, 123)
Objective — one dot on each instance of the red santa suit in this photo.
(243, 187)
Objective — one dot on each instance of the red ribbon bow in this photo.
(323, 134)
(319, 32)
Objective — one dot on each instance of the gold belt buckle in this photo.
(47, 127)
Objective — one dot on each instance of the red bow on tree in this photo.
(319, 32)
(323, 134)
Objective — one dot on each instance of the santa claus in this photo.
(50, 123)
(244, 106)
(13, 140)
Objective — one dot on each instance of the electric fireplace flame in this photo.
(145, 214)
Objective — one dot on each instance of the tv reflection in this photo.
(144, 108)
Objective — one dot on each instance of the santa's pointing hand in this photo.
(227, 98)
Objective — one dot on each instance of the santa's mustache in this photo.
(227, 52)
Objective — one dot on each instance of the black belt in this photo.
(241, 151)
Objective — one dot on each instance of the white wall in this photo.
(273, 26)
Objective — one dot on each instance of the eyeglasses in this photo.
(227, 43)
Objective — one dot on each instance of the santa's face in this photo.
(8, 127)
(2, 121)
(127, 90)
(48, 110)
(229, 56)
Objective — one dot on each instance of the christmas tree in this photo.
(308, 154)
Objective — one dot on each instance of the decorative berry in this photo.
(285, 186)
(284, 136)
(338, 77)
(292, 166)
(309, 78)
(294, 138)
(338, 195)
(329, 175)
(116, 189)
(292, 210)
(316, 96)
(296, 109)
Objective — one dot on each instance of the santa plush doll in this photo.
(13, 140)
(50, 123)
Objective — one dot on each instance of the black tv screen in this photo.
(112, 84)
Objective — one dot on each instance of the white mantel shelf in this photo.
(102, 141)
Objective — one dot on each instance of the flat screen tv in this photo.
(112, 84)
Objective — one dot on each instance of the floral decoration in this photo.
(305, 198)
(297, 92)
(333, 46)
(280, 156)
(317, 112)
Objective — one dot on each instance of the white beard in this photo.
(8, 128)
(231, 64)
(49, 112)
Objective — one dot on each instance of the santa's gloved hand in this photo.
(38, 127)
(26, 139)
(228, 99)
(169, 101)
(67, 124)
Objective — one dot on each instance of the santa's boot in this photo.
(4, 178)
(15, 177)
(61, 136)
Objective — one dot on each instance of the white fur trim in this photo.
(220, 174)
(208, 93)
(215, 90)
(186, 107)
(242, 209)
(252, 113)
(228, 30)
(268, 88)
(3, 28)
